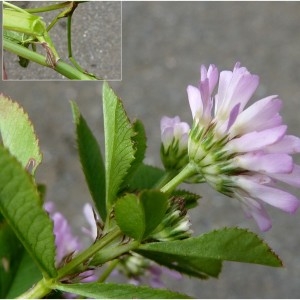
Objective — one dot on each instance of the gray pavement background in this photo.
(96, 41)
(164, 44)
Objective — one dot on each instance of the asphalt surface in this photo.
(96, 41)
(163, 45)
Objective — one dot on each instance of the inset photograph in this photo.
(62, 40)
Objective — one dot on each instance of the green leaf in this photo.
(91, 160)
(21, 281)
(22, 208)
(10, 248)
(139, 142)
(118, 291)
(130, 217)
(145, 177)
(198, 267)
(138, 216)
(155, 204)
(119, 147)
(18, 134)
(230, 244)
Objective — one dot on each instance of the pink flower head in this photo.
(242, 151)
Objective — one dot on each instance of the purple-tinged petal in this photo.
(167, 137)
(233, 115)
(265, 163)
(166, 122)
(270, 195)
(181, 129)
(224, 80)
(261, 115)
(288, 144)
(237, 89)
(90, 218)
(65, 242)
(195, 101)
(49, 206)
(292, 178)
(213, 76)
(256, 140)
(256, 210)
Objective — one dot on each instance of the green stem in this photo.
(108, 270)
(44, 286)
(88, 253)
(111, 253)
(165, 179)
(48, 7)
(14, 7)
(38, 291)
(61, 67)
(185, 173)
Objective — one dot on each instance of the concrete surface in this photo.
(164, 44)
(96, 41)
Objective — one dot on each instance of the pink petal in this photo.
(292, 178)
(180, 129)
(239, 88)
(256, 140)
(167, 137)
(265, 163)
(224, 79)
(288, 144)
(261, 115)
(195, 101)
(270, 195)
(255, 210)
(211, 74)
(233, 115)
(168, 122)
(90, 218)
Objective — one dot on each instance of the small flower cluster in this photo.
(140, 270)
(241, 152)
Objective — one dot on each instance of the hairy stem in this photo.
(185, 173)
(60, 67)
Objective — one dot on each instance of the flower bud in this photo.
(174, 136)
